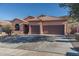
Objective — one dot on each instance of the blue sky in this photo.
(10, 11)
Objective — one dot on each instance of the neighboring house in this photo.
(2, 23)
(74, 27)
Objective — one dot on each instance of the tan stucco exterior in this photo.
(41, 22)
(51, 22)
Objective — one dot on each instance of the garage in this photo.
(35, 29)
(53, 29)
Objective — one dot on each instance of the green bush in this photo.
(7, 29)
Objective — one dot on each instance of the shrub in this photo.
(7, 29)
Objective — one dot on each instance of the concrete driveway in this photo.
(60, 47)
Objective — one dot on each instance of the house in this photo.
(47, 25)
(41, 25)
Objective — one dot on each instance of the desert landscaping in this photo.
(39, 45)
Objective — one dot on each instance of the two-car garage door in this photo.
(48, 29)
(53, 29)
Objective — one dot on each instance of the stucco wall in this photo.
(50, 23)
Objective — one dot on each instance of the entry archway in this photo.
(26, 28)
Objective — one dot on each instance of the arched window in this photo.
(17, 27)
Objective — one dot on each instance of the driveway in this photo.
(60, 47)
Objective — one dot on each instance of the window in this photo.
(17, 27)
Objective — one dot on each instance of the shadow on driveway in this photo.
(24, 39)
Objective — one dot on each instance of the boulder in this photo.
(51, 38)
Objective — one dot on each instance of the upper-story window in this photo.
(17, 27)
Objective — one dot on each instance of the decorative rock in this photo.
(51, 38)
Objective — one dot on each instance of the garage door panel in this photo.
(35, 29)
(53, 29)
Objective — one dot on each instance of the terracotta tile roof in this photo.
(18, 20)
(30, 18)
(50, 18)
(45, 18)
(41, 17)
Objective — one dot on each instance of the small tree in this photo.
(7, 29)
(73, 9)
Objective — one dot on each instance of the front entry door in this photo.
(26, 29)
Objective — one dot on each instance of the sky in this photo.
(9, 11)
